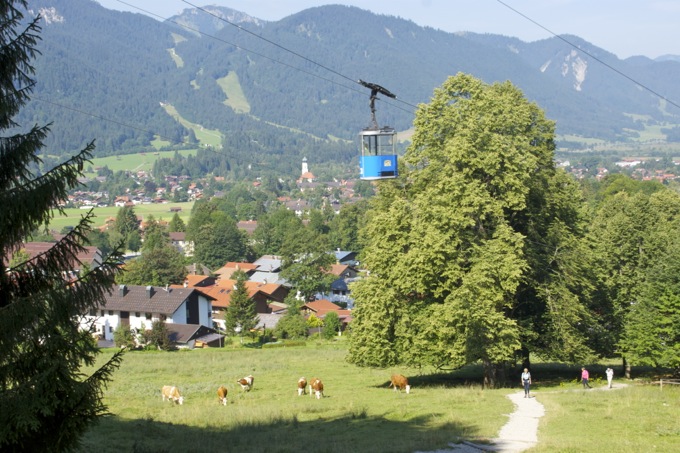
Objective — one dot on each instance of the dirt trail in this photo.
(519, 433)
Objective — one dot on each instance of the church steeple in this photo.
(305, 169)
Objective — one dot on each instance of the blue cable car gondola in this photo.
(378, 158)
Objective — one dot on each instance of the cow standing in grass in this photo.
(301, 384)
(171, 393)
(399, 382)
(316, 388)
(222, 395)
(246, 383)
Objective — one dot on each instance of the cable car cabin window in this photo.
(378, 155)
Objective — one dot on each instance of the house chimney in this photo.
(149, 291)
(122, 290)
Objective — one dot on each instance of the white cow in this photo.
(302, 384)
(171, 393)
(316, 388)
(246, 382)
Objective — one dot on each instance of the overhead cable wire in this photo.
(602, 62)
(218, 17)
(137, 128)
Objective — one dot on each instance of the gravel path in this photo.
(520, 432)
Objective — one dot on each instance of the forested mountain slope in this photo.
(108, 75)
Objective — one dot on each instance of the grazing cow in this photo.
(171, 393)
(399, 382)
(222, 395)
(302, 384)
(316, 388)
(246, 382)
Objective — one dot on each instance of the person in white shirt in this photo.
(610, 376)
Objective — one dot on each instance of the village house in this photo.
(178, 239)
(139, 306)
(90, 257)
(321, 307)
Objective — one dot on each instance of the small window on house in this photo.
(110, 312)
(163, 317)
(137, 314)
(148, 316)
(110, 329)
(101, 313)
(93, 312)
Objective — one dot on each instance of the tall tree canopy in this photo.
(306, 262)
(217, 239)
(635, 234)
(472, 251)
(46, 400)
(126, 228)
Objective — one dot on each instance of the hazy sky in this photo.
(623, 27)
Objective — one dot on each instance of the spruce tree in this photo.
(46, 400)
(241, 312)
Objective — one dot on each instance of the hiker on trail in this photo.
(610, 376)
(526, 382)
(584, 378)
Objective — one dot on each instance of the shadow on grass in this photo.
(355, 432)
(546, 374)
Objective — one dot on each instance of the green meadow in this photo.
(159, 211)
(358, 412)
(132, 162)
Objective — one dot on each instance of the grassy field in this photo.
(236, 99)
(207, 137)
(359, 413)
(159, 211)
(133, 162)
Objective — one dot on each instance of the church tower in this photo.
(305, 169)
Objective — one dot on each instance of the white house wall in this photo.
(106, 323)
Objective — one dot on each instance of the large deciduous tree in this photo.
(46, 400)
(217, 239)
(306, 262)
(472, 251)
(160, 264)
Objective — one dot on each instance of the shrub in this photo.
(157, 337)
(291, 326)
(331, 325)
(123, 337)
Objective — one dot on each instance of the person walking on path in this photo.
(610, 376)
(526, 382)
(584, 378)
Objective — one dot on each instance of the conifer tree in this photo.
(241, 314)
(46, 400)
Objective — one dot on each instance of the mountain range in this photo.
(275, 91)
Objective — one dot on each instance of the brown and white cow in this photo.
(302, 384)
(316, 388)
(171, 393)
(399, 382)
(246, 382)
(222, 395)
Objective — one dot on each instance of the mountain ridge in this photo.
(92, 61)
